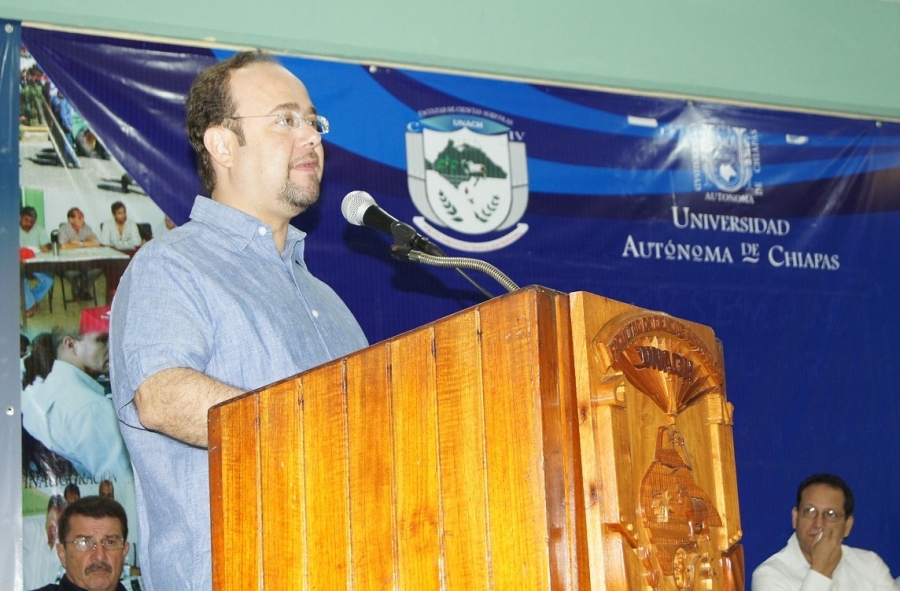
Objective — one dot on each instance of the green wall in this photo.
(833, 55)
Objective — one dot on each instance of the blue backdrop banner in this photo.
(777, 229)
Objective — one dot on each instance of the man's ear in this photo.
(68, 342)
(848, 525)
(61, 553)
(794, 518)
(218, 142)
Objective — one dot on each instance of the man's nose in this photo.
(308, 135)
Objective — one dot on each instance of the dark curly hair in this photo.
(832, 481)
(96, 508)
(209, 103)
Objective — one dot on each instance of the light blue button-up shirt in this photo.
(215, 296)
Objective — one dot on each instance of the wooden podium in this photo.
(537, 441)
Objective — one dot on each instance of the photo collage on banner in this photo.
(81, 219)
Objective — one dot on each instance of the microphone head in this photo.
(354, 205)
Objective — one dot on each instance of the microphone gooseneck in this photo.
(465, 263)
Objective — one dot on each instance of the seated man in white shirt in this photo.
(119, 232)
(815, 557)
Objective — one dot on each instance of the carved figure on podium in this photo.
(677, 512)
(686, 531)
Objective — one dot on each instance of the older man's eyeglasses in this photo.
(828, 514)
(294, 120)
(89, 544)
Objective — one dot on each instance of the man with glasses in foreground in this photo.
(221, 305)
(92, 546)
(815, 558)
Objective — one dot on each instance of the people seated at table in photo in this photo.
(120, 232)
(93, 543)
(816, 557)
(34, 236)
(77, 234)
(69, 412)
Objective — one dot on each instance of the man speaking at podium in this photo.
(221, 305)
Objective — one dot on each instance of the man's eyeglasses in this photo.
(294, 120)
(89, 544)
(828, 514)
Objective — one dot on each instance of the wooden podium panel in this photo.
(658, 449)
(509, 446)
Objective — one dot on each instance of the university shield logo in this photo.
(727, 156)
(465, 175)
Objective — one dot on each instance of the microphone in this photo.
(359, 208)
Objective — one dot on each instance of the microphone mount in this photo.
(406, 239)
(404, 253)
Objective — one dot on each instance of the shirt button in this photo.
(315, 313)
(262, 231)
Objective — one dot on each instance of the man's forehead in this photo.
(823, 493)
(82, 525)
(266, 86)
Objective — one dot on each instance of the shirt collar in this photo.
(241, 228)
(73, 374)
(66, 585)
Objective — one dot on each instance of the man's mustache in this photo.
(94, 566)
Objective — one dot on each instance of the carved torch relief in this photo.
(666, 361)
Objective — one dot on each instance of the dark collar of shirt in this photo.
(66, 585)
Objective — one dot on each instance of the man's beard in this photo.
(299, 198)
